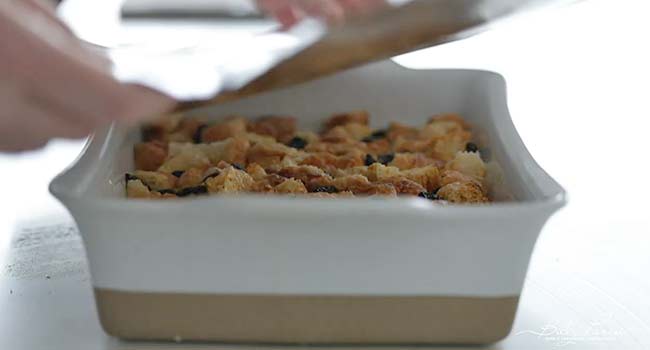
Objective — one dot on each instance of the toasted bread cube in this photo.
(428, 177)
(359, 117)
(137, 189)
(149, 155)
(230, 180)
(292, 186)
(462, 192)
(397, 130)
(269, 154)
(439, 129)
(337, 134)
(450, 117)
(402, 144)
(352, 183)
(359, 184)
(184, 159)
(224, 130)
(256, 171)
(347, 132)
(282, 128)
(190, 178)
(403, 185)
(304, 173)
(405, 161)
(232, 150)
(379, 189)
(468, 163)
(378, 171)
(447, 146)
(380, 146)
(325, 195)
(160, 128)
(156, 180)
(186, 130)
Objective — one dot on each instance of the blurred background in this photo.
(578, 80)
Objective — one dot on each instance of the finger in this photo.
(43, 124)
(139, 103)
(48, 12)
(329, 10)
(357, 7)
(57, 69)
(73, 125)
(25, 125)
(353, 6)
(284, 11)
(288, 16)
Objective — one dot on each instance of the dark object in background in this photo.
(377, 135)
(201, 189)
(297, 143)
(471, 147)
(385, 158)
(369, 160)
(327, 189)
(198, 134)
(223, 9)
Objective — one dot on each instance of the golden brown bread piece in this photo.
(348, 158)
(396, 130)
(402, 185)
(190, 177)
(155, 180)
(268, 155)
(360, 117)
(186, 131)
(230, 180)
(149, 155)
(462, 192)
(380, 146)
(405, 161)
(304, 173)
(291, 186)
(282, 128)
(224, 130)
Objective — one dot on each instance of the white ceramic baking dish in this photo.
(277, 269)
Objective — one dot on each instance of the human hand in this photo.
(54, 85)
(288, 12)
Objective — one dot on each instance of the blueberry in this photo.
(369, 160)
(167, 190)
(198, 134)
(327, 189)
(471, 147)
(215, 174)
(386, 158)
(432, 196)
(237, 166)
(201, 189)
(297, 143)
(178, 173)
(378, 134)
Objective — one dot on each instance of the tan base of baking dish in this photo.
(305, 319)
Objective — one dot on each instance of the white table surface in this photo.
(579, 95)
